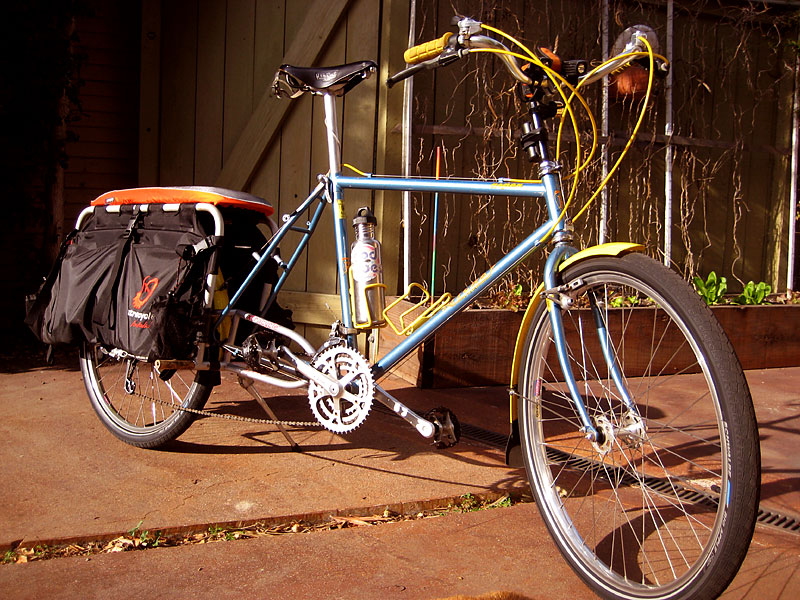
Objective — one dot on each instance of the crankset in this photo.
(344, 405)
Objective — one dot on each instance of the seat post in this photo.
(334, 146)
(339, 223)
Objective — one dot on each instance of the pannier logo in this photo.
(149, 285)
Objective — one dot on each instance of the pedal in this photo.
(447, 429)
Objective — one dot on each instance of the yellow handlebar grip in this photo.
(417, 54)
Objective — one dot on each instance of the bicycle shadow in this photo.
(383, 436)
(780, 477)
(772, 564)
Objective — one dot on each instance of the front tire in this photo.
(663, 505)
(134, 403)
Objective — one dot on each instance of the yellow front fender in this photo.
(611, 249)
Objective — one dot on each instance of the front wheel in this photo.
(663, 503)
(135, 402)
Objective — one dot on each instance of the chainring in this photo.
(346, 410)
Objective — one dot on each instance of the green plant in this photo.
(134, 530)
(512, 299)
(502, 502)
(469, 503)
(626, 301)
(9, 557)
(712, 289)
(214, 529)
(753, 293)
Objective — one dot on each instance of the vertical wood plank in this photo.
(295, 152)
(239, 52)
(178, 88)
(269, 43)
(388, 209)
(454, 88)
(360, 105)
(322, 273)
(210, 91)
(777, 239)
(149, 100)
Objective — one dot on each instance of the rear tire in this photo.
(639, 515)
(147, 415)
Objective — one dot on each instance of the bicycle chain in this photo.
(205, 413)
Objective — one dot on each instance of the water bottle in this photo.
(366, 273)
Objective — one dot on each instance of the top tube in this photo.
(501, 187)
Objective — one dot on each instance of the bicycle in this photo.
(644, 461)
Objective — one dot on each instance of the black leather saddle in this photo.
(293, 81)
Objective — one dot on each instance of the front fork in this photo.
(560, 298)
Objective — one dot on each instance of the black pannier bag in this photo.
(138, 277)
(131, 279)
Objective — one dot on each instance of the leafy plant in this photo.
(712, 289)
(626, 301)
(134, 530)
(753, 293)
(469, 503)
(512, 299)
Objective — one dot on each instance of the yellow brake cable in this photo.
(567, 101)
(632, 138)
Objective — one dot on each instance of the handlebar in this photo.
(450, 47)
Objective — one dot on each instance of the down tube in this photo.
(464, 299)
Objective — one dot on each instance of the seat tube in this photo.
(339, 224)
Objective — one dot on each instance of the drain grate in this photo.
(484, 436)
(779, 521)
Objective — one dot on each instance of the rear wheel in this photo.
(663, 503)
(135, 402)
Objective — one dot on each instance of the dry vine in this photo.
(733, 76)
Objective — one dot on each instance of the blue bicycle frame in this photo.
(331, 190)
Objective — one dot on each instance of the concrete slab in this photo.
(65, 477)
(776, 397)
(484, 552)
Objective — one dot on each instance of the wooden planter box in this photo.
(476, 347)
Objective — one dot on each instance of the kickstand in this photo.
(247, 384)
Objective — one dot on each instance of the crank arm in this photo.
(425, 428)
(331, 386)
